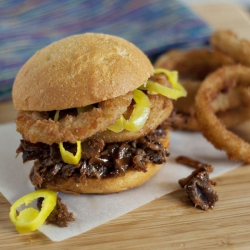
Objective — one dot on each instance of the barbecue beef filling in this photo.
(99, 159)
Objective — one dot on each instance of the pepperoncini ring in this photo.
(138, 117)
(140, 112)
(29, 219)
(156, 88)
(118, 126)
(173, 79)
(67, 156)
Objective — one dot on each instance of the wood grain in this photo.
(169, 222)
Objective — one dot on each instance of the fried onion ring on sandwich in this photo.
(160, 105)
(34, 126)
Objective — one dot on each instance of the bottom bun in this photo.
(130, 180)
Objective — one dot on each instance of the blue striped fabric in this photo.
(153, 25)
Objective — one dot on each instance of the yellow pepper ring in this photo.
(67, 156)
(30, 219)
(156, 88)
(138, 117)
(118, 126)
(140, 112)
(173, 79)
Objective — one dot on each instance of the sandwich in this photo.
(91, 112)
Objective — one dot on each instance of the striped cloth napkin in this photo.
(153, 25)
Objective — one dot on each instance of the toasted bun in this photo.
(131, 180)
(79, 70)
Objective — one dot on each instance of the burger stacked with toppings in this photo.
(91, 114)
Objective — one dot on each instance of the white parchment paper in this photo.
(93, 210)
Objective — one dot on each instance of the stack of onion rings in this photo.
(218, 82)
(211, 127)
(193, 67)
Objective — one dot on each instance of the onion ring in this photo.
(227, 42)
(212, 129)
(230, 119)
(230, 98)
(193, 64)
(160, 105)
(234, 117)
(34, 126)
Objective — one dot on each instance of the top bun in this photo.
(80, 70)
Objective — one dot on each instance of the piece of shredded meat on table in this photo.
(60, 215)
(198, 186)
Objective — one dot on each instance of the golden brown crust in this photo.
(78, 71)
(131, 180)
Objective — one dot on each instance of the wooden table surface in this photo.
(169, 222)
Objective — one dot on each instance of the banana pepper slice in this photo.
(140, 113)
(173, 93)
(118, 126)
(67, 156)
(29, 219)
(138, 117)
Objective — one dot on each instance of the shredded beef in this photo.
(99, 159)
(60, 215)
(198, 187)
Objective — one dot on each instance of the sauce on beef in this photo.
(99, 159)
